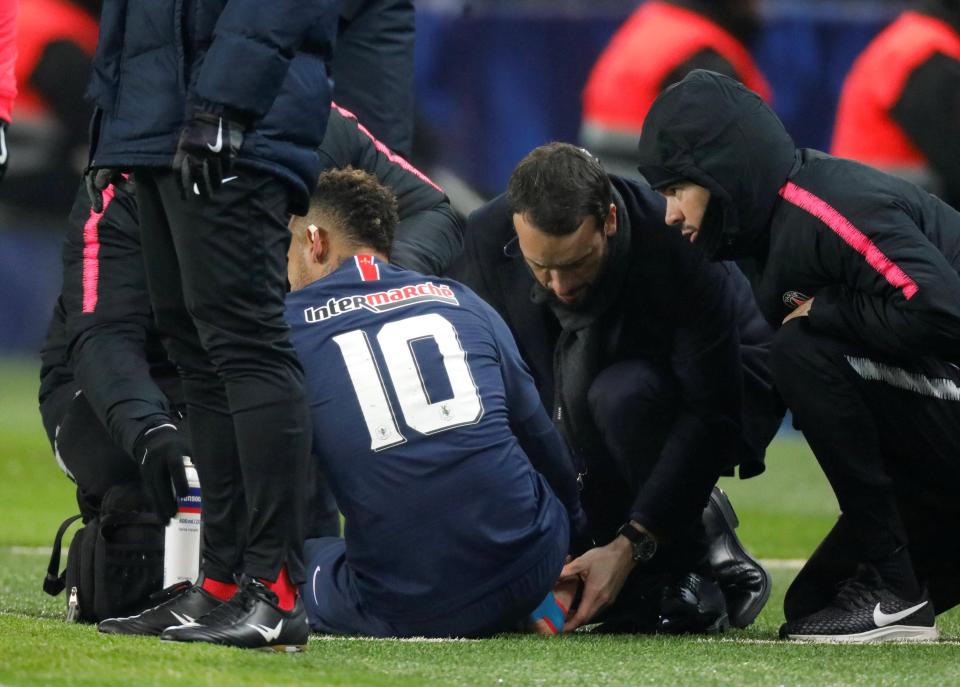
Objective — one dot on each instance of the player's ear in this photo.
(319, 243)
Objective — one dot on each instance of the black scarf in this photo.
(578, 355)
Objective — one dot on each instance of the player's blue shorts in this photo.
(334, 605)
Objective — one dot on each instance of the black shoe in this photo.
(744, 582)
(183, 605)
(693, 604)
(250, 620)
(865, 610)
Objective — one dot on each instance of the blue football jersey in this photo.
(412, 384)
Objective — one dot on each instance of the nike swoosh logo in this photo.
(216, 148)
(184, 620)
(228, 180)
(881, 619)
(267, 633)
(313, 585)
(3, 147)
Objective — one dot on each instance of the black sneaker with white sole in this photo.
(865, 610)
(250, 620)
(184, 603)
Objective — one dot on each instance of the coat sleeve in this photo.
(929, 113)
(703, 440)
(892, 289)
(258, 40)
(430, 234)
(8, 57)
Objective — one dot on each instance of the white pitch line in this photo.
(27, 550)
(783, 563)
(414, 640)
(784, 642)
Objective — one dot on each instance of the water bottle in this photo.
(181, 544)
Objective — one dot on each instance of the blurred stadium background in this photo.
(494, 78)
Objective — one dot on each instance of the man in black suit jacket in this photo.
(653, 362)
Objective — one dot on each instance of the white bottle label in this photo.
(181, 553)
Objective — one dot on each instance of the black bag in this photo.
(114, 565)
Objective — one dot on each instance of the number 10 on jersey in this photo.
(403, 373)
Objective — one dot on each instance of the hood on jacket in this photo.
(711, 130)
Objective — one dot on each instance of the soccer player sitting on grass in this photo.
(431, 434)
(863, 271)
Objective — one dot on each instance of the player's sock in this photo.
(896, 570)
(222, 590)
(285, 590)
(549, 617)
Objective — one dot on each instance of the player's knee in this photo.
(631, 389)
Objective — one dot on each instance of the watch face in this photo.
(644, 549)
(644, 546)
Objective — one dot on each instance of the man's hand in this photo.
(205, 152)
(160, 453)
(603, 571)
(98, 180)
(801, 310)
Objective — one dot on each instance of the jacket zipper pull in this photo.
(73, 606)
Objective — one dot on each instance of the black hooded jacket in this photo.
(880, 255)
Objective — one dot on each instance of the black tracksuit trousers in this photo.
(887, 435)
(216, 271)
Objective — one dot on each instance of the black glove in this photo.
(160, 451)
(207, 146)
(97, 181)
(3, 147)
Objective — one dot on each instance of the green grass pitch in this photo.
(783, 514)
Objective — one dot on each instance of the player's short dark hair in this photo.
(364, 209)
(558, 186)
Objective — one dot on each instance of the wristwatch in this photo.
(644, 545)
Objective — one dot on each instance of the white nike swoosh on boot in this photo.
(881, 619)
(3, 147)
(184, 620)
(268, 633)
(216, 148)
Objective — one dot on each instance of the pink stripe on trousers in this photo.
(91, 253)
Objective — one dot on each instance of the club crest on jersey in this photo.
(794, 299)
(382, 301)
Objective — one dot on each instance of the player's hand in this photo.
(3, 147)
(98, 180)
(801, 310)
(160, 453)
(603, 571)
(208, 144)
